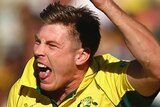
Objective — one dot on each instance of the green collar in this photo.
(52, 100)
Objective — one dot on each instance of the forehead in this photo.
(54, 31)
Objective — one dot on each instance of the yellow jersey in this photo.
(105, 85)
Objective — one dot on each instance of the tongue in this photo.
(44, 75)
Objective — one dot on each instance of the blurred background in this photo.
(19, 21)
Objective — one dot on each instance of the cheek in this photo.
(34, 49)
(60, 56)
(62, 62)
(61, 59)
(56, 59)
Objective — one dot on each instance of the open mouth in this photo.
(44, 71)
(42, 68)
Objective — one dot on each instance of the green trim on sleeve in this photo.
(134, 99)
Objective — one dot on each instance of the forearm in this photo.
(138, 39)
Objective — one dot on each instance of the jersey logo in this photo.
(87, 102)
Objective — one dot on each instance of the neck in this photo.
(59, 95)
(62, 93)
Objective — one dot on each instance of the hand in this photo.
(101, 3)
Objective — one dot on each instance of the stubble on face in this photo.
(59, 59)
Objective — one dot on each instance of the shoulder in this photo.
(16, 87)
(106, 57)
(109, 63)
(112, 72)
(14, 94)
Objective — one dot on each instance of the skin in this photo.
(54, 48)
(144, 72)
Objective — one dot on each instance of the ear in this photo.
(82, 56)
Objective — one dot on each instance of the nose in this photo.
(39, 50)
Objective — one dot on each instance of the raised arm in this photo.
(144, 73)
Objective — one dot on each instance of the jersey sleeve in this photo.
(13, 95)
(113, 80)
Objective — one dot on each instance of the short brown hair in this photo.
(85, 22)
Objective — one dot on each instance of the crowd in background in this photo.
(19, 21)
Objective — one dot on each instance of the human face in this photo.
(55, 55)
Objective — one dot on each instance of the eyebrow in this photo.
(48, 42)
(35, 36)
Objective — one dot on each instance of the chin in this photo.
(46, 87)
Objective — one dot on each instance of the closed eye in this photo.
(52, 46)
(37, 41)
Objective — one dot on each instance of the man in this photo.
(64, 73)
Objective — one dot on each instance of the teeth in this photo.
(41, 65)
